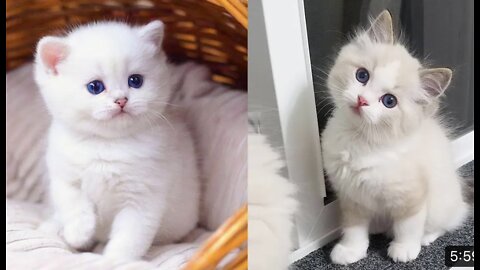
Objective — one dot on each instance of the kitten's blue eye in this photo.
(135, 81)
(389, 100)
(362, 75)
(95, 87)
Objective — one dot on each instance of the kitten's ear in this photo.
(153, 32)
(50, 52)
(436, 80)
(381, 29)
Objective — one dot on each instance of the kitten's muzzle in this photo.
(121, 102)
(361, 101)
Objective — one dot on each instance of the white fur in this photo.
(129, 178)
(389, 166)
(271, 206)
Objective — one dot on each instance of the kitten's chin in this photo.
(356, 110)
(117, 126)
(358, 113)
(114, 125)
(357, 116)
(120, 115)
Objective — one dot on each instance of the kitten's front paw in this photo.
(78, 232)
(403, 252)
(342, 254)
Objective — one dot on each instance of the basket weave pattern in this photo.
(212, 32)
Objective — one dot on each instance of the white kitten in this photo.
(386, 154)
(121, 162)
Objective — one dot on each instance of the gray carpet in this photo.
(431, 257)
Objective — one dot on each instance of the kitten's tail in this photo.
(468, 190)
(468, 193)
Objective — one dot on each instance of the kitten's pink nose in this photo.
(121, 102)
(361, 101)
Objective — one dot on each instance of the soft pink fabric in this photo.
(218, 120)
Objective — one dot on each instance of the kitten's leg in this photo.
(428, 238)
(75, 212)
(408, 232)
(354, 243)
(133, 231)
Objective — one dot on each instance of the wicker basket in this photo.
(212, 32)
(233, 234)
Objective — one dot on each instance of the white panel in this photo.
(285, 32)
(463, 149)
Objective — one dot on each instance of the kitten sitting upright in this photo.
(121, 162)
(386, 153)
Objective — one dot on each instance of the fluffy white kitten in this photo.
(121, 161)
(386, 154)
(271, 205)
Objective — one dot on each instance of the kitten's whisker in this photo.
(142, 102)
(319, 84)
(334, 88)
(329, 112)
(159, 114)
(326, 73)
(326, 104)
(324, 87)
(150, 123)
(318, 76)
(166, 103)
(323, 102)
